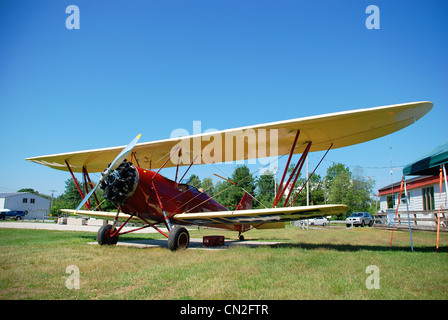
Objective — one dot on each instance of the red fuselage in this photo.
(154, 194)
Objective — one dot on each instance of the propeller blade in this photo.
(119, 159)
(114, 165)
(87, 197)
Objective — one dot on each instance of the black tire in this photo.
(103, 236)
(363, 224)
(179, 238)
(371, 223)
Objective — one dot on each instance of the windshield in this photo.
(356, 214)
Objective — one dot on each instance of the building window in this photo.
(428, 198)
(391, 201)
(32, 200)
(403, 198)
(25, 200)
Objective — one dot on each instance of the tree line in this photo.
(338, 186)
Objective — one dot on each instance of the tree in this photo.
(207, 185)
(316, 191)
(71, 198)
(265, 190)
(315, 185)
(195, 181)
(359, 193)
(37, 193)
(221, 193)
(333, 171)
(349, 188)
(339, 187)
(229, 194)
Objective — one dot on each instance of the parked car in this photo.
(321, 221)
(360, 219)
(13, 214)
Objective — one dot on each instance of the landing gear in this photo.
(179, 238)
(240, 236)
(104, 236)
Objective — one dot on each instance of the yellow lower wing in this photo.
(122, 217)
(258, 216)
(221, 218)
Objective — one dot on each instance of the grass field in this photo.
(313, 264)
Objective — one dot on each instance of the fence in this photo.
(420, 220)
(305, 224)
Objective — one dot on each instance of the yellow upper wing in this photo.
(342, 129)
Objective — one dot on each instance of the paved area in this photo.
(195, 243)
(64, 227)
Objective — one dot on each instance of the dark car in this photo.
(13, 214)
(360, 219)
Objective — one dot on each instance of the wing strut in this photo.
(76, 183)
(277, 197)
(167, 220)
(299, 165)
(88, 181)
(187, 169)
(309, 177)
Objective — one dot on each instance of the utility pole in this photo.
(52, 196)
(307, 184)
(325, 191)
(391, 175)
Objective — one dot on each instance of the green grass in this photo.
(313, 264)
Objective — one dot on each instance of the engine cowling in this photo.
(120, 185)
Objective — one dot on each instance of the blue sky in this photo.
(153, 66)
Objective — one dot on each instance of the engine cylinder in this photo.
(121, 183)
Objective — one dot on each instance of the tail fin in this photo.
(245, 203)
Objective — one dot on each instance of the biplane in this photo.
(130, 175)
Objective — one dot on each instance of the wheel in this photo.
(241, 237)
(179, 238)
(103, 236)
(371, 223)
(363, 224)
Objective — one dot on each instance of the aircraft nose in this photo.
(121, 183)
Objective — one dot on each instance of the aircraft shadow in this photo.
(354, 248)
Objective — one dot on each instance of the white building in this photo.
(37, 206)
(425, 199)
